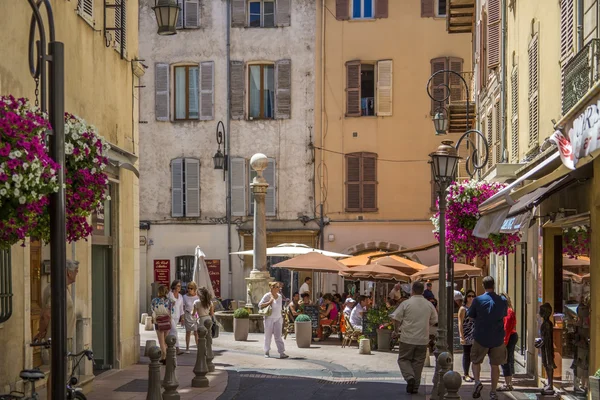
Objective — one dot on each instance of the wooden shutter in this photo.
(490, 138)
(271, 197)
(283, 89)
(238, 187)
(121, 23)
(177, 187)
(207, 90)
(381, 8)
(567, 24)
(427, 8)
(192, 14)
(439, 82)
(342, 10)
(455, 83)
(283, 13)
(533, 92)
(353, 89)
(353, 199)
(192, 187)
(161, 91)
(514, 83)
(369, 182)
(238, 13)
(384, 88)
(179, 24)
(497, 148)
(85, 8)
(237, 90)
(494, 32)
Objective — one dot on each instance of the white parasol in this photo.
(291, 250)
(201, 275)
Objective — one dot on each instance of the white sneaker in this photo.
(267, 355)
(283, 356)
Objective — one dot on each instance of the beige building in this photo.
(373, 128)
(101, 87)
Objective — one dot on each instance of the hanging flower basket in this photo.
(85, 179)
(27, 173)
(463, 200)
(576, 241)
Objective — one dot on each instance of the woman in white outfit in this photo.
(177, 313)
(273, 322)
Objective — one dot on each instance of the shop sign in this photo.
(98, 220)
(583, 137)
(162, 272)
(214, 271)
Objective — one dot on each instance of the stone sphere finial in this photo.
(452, 381)
(259, 162)
(171, 340)
(154, 353)
(445, 360)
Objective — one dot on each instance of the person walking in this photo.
(465, 328)
(415, 316)
(162, 307)
(189, 318)
(510, 341)
(177, 311)
(203, 306)
(273, 322)
(488, 311)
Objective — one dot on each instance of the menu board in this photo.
(214, 271)
(162, 272)
(456, 333)
(313, 313)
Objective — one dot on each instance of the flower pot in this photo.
(303, 333)
(241, 326)
(595, 388)
(384, 337)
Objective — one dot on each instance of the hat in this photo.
(458, 295)
(350, 300)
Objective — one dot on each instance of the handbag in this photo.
(266, 311)
(214, 329)
(163, 322)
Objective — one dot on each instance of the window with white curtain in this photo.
(186, 92)
(261, 91)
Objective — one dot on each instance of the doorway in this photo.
(35, 263)
(102, 308)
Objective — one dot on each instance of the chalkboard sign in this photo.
(313, 313)
(456, 334)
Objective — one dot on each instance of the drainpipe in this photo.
(504, 136)
(580, 25)
(73, 297)
(227, 150)
(321, 163)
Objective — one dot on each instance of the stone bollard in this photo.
(143, 319)
(170, 382)
(427, 358)
(154, 374)
(149, 325)
(452, 382)
(201, 369)
(364, 346)
(210, 356)
(149, 344)
(444, 361)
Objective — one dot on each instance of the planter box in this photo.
(384, 337)
(303, 333)
(241, 327)
(594, 388)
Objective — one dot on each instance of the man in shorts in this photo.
(488, 311)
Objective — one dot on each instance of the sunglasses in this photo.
(471, 296)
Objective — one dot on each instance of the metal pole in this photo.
(450, 333)
(58, 239)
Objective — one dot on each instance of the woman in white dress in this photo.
(177, 314)
(273, 322)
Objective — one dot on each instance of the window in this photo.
(261, 14)
(186, 92)
(362, 9)
(189, 14)
(121, 22)
(533, 92)
(369, 88)
(361, 182)
(441, 8)
(185, 187)
(494, 19)
(514, 83)
(444, 81)
(242, 200)
(261, 91)
(85, 9)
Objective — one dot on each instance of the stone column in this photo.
(258, 282)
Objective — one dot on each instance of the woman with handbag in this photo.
(162, 308)
(271, 306)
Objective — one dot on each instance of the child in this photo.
(190, 317)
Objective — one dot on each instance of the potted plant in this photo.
(241, 324)
(379, 328)
(384, 336)
(595, 385)
(303, 329)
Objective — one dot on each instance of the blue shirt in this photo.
(488, 311)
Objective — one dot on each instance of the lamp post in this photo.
(166, 12)
(219, 159)
(444, 164)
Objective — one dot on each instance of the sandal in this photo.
(505, 388)
(467, 378)
(477, 390)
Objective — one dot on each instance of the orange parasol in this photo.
(461, 271)
(375, 271)
(312, 262)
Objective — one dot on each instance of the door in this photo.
(35, 263)
(102, 307)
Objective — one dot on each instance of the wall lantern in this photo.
(440, 121)
(166, 12)
(220, 159)
(444, 162)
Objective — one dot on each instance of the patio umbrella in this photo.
(375, 270)
(292, 250)
(312, 261)
(568, 275)
(201, 275)
(461, 271)
(401, 264)
(575, 262)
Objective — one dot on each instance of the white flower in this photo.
(93, 171)
(12, 155)
(18, 153)
(68, 148)
(25, 165)
(22, 200)
(2, 192)
(17, 185)
(16, 192)
(108, 198)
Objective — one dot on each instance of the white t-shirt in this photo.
(188, 303)
(178, 308)
(356, 318)
(276, 306)
(304, 288)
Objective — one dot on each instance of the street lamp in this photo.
(444, 163)
(220, 159)
(166, 16)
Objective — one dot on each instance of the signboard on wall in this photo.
(162, 272)
(98, 220)
(214, 271)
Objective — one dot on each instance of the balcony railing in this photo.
(580, 74)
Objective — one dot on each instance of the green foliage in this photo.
(597, 374)
(241, 313)
(378, 316)
(302, 318)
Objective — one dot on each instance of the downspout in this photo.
(580, 25)
(504, 136)
(227, 149)
(321, 162)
